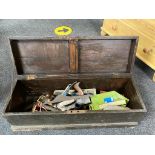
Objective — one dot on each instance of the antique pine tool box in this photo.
(47, 64)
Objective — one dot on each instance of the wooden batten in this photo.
(133, 50)
(73, 52)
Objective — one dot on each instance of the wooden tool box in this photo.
(144, 28)
(46, 64)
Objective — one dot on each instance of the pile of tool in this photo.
(64, 100)
(75, 98)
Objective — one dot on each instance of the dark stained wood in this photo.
(61, 120)
(32, 89)
(18, 98)
(66, 38)
(44, 57)
(112, 55)
(73, 76)
(73, 56)
(131, 92)
(133, 49)
(42, 65)
(73, 126)
(104, 56)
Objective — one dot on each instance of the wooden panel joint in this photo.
(73, 51)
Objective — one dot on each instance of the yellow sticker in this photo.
(63, 30)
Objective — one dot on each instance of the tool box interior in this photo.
(47, 64)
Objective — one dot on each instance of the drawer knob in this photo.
(145, 50)
(114, 27)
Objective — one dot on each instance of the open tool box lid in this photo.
(55, 56)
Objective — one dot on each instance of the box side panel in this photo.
(136, 102)
(68, 119)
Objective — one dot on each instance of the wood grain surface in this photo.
(41, 57)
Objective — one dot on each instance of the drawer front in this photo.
(145, 27)
(146, 45)
(147, 55)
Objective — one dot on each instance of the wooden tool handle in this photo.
(78, 89)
